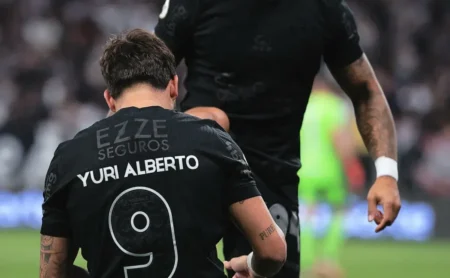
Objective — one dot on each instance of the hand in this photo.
(238, 265)
(211, 113)
(383, 192)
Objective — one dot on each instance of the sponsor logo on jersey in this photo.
(120, 139)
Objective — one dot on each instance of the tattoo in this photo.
(46, 247)
(267, 232)
(54, 257)
(373, 115)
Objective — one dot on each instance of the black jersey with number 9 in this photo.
(145, 193)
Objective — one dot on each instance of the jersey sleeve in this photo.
(55, 221)
(176, 25)
(241, 184)
(342, 40)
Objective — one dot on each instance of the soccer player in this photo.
(327, 147)
(256, 60)
(147, 192)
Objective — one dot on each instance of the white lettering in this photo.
(100, 180)
(83, 178)
(169, 162)
(109, 173)
(116, 171)
(189, 165)
(149, 166)
(160, 164)
(180, 161)
(129, 171)
(138, 168)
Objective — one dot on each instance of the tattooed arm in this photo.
(248, 209)
(54, 257)
(57, 256)
(372, 111)
(355, 75)
(377, 129)
(265, 237)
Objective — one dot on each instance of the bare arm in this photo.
(373, 115)
(265, 237)
(57, 258)
(54, 257)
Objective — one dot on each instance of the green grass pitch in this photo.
(19, 257)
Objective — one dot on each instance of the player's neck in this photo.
(144, 97)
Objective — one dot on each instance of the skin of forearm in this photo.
(265, 267)
(269, 264)
(375, 122)
(57, 256)
(373, 115)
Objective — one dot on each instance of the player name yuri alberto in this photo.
(138, 168)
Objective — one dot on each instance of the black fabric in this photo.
(146, 192)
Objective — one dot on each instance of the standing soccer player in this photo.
(327, 147)
(148, 191)
(256, 60)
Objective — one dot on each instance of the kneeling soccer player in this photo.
(148, 192)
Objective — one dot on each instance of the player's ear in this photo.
(173, 88)
(110, 101)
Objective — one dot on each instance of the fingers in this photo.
(387, 218)
(237, 264)
(384, 192)
(227, 265)
(372, 208)
(391, 210)
(378, 217)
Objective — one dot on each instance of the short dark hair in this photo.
(136, 57)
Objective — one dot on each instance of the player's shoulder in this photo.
(179, 10)
(334, 10)
(331, 4)
(202, 125)
(87, 133)
(203, 131)
(62, 148)
(75, 144)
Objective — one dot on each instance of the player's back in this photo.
(325, 113)
(146, 195)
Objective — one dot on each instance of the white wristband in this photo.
(250, 268)
(386, 166)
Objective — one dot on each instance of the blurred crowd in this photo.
(51, 86)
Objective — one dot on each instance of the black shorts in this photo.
(235, 244)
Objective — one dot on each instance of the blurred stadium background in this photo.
(51, 87)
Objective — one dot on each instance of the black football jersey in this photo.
(145, 193)
(257, 60)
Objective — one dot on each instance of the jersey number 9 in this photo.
(141, 225)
